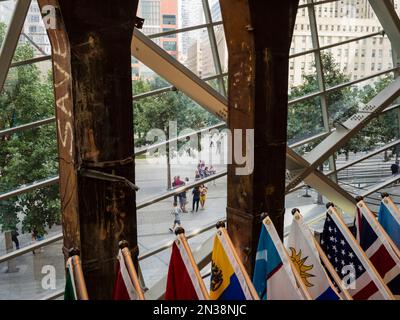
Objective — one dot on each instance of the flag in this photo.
(273, 277)
(70, 289)
(123, 286)
(349, 261)
(227, 279)
(389, 218)
(182, 283)
(377, 248)
(305, 257)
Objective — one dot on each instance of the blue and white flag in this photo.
(305, 257)
(273, 277)
(389, 218)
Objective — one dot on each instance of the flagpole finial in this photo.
(220, 224)
(359, 198)
(329, 204)
(264, 215)
(295, 210)
(123, 244)
(384, 195)
(74, 251)
(179, 231)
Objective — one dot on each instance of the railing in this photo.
(165, 246)
(190, 235)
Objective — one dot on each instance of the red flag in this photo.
(123, 287)
(181, 281)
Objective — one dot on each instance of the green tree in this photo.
(305, 117)
(156, 112)
(29, 155)
(384, 128)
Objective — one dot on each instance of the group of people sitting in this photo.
(203, 171)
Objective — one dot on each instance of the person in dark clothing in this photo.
(14, 238)
(395, 168)
(196, 198)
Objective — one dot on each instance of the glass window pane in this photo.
(304, 120)
(302, 76)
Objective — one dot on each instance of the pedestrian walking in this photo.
(177, 217)
(14, 238)
(196, 198)
(395, 168)
(203, 195)
(173, 187)
(182, 197)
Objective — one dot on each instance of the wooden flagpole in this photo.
(296, 274)
(327, 263)
(387, 200)
(180, 233)
(79, 280)
(363, 206)
(124, 246)
(222, 229)
(361, 254)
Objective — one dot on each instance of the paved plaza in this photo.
(153, 230)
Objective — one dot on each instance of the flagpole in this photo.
(387, 198)
(333, 212)
(391, 206)
(327, 263)
(124, 247)
(221, 227)
(79, 280)
(180, 233)
(363, 206)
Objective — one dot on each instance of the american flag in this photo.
(378, 250)
(342, 255)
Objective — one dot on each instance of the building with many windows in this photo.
(159, 16)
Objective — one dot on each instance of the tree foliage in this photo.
(305, 118)
(29, 155)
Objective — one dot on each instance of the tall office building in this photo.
(33, 27)
(203, 65)
(159, 16)
(6, 9)
(191, 14)
(337, 22)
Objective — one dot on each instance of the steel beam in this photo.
(320, 77)
(178, 75)
(213, 45)
(387, 16)
(367, 156)
(347, 130)
(380, 186)
(322, 184)
(186, 81)
(93, 92)
(258, 43)
(11, 39)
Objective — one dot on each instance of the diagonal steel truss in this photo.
(301, 168)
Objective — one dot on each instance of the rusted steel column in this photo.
(93, 90)
(258, 34)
